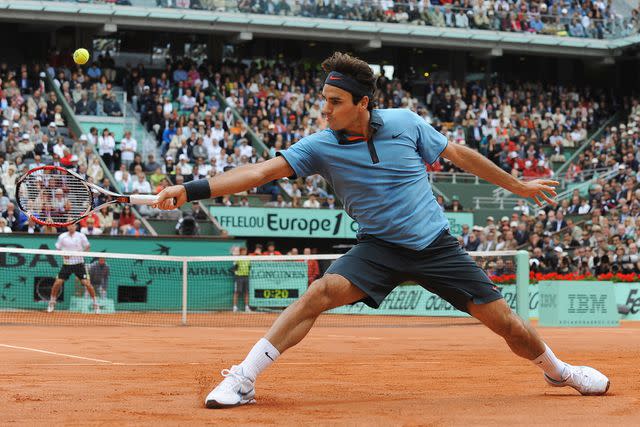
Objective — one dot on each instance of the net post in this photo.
(184, 292)
(522, 284)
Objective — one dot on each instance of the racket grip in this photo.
(143, 199)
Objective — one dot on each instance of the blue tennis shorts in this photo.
(443, 268)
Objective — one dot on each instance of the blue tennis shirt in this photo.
(385, 188)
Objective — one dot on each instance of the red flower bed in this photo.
(506, 279)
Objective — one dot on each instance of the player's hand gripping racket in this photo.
(55, 196)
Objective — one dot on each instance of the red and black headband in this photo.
(349, 84)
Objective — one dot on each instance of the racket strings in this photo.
(54, 196)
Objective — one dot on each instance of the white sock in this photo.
(261, 356)
(551, 365)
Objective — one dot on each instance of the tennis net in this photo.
(222, 291)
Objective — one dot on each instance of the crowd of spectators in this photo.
(594, 19)
(594, 233)
(33, 133)
(198, 137)
(89, 91)
(523, 127)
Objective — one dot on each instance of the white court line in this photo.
(354, 336)
(54, 353)
(412, 362)
(111, 364)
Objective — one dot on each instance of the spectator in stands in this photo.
(126, 219)
(106, 147)
(9, 180)
(280, 202)
(31, 227)
(136, 229)
(128, 148)
(90, 228)
(197, 212)
(311, 202)
(271, 249)
(85, 106)
(13, 217)
(455, 206)
(111, 106)
(140, 184)
(112, 228)
(151, 165)
(330, 202)
(4, 228)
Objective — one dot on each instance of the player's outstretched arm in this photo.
(231, 182)
(475, 163)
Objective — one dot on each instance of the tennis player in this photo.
(71, 240)
(375, 161)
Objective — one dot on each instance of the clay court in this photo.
(431, 372)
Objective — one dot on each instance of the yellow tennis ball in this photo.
(81, 56)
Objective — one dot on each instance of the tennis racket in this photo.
(57, 197)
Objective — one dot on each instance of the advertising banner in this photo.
(292, 222)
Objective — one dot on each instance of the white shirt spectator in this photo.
(185, 168)
(106, 145)
(94, 231)
(167, 108)
(128, 147)
(187, 102)
(3, 226)
(4, 201)
(72, 242)
(92, 139)
(214, 150)
(246, 150)
(141, 185)
(9, 180)
(59, 149)
(311, 204)
(204, 169)
(577, 135)
(584, 208)
(217, 133)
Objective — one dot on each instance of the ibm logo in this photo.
(587, 303)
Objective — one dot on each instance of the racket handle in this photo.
(143, 199)
(146, 199)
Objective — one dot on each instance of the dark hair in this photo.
(355, 68)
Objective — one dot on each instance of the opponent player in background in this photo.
(375, 161)
(71, 240)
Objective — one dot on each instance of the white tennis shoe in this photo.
(588, 381)
(234, 390)
(51, 307)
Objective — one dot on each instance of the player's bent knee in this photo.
(317, 296)
(328, 292)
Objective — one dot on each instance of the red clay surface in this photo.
(429, 375)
